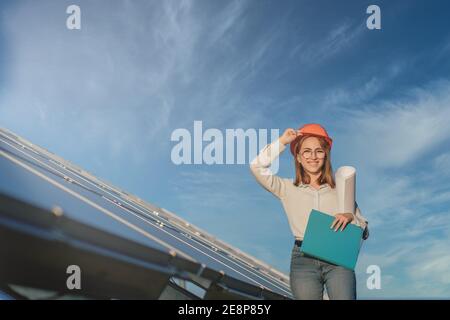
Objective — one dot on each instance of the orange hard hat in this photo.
(312, 129)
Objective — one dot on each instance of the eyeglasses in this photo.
(320, 154)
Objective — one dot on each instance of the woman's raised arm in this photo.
(260, 165)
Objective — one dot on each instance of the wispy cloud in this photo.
(393, 143)
(115, 74)
(113, 92)
(396, 133)
(432, 267)
(339, 38)
(411, 269)
(229, 22)
(360, 91)
(442, 163)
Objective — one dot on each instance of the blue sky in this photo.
(107, 97)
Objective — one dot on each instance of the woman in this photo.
(313, 188)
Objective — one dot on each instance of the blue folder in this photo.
(336, 247)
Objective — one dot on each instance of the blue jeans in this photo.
(309, 275)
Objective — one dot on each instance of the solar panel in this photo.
(70, 216)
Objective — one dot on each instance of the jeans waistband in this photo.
(298, 243)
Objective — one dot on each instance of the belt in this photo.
(298, 243)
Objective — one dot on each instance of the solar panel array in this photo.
(72, 217)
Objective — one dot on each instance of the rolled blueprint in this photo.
(345, 178)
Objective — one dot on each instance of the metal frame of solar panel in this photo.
(54, 214)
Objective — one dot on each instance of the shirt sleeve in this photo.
(260, 169)
(361, 221)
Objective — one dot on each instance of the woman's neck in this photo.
(313, 180)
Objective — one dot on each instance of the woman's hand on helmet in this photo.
(289, 135)
(341, 220)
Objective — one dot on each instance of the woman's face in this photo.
(311, 155)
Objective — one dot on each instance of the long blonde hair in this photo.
(327, 172)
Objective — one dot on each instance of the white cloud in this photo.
(399, 149)
(429, 273)
(132, 70)
(415, 267)
(442, 163)
(229, 20)
(361, 90)
(112, 81)
(393, 134)
(334, 42)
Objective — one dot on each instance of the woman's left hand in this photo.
(341, 220)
